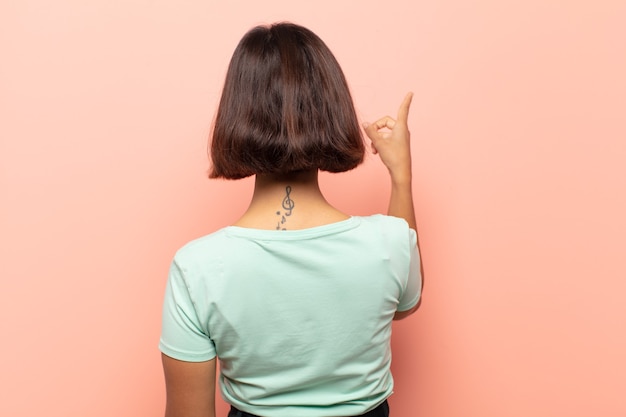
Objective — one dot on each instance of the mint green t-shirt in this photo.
(300, 320)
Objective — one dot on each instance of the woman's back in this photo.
(300, 319)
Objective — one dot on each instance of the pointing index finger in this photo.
(403, 111)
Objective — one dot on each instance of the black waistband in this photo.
(381, 411)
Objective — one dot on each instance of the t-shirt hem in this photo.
(318, 410)
(408, 306)
(185, 356)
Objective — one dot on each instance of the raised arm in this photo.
(391, 140)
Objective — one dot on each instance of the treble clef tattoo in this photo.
(288, 206)
(288, 203)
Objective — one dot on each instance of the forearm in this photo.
(401, 202)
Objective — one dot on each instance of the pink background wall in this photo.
(519, 140)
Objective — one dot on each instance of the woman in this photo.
(296, 298)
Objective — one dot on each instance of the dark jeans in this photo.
(380, 411)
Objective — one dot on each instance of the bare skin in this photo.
(310, 208)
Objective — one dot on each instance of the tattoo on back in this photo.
(288, 206)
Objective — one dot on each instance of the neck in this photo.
(291, 201)
(269, 187)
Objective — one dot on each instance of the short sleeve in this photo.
(413, 289)
(182, 334)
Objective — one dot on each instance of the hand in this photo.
(391, 141)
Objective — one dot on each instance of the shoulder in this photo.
(385, 222)
(202, 249)
(391, 232)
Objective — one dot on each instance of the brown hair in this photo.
(285, 107)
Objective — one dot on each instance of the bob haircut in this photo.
(285, 107)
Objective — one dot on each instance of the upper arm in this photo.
(190, 387)
(411, 297)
